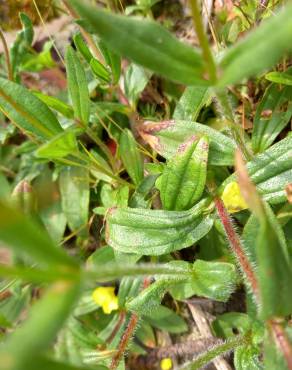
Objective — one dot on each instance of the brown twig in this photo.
(7, 56)
(204, 328)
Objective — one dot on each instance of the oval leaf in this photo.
(156, 232)
(166, 136)
(183, 179)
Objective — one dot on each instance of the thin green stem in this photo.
(226, 110)
(221, 95)
(7, 56)
(204, 42)
(205, 358)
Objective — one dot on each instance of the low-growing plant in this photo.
(141, 198)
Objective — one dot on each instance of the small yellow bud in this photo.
(232, 198)
(106, 298)
(166, 364)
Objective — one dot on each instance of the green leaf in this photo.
(56, 104)
(49, 364)
(282, 78)
(100, 70)
(256, 52)
(38, 332)
(27, 112)
(166, 136)
(273, 269)
(165, 319)
(270, 171)
(58, 147)
(74, 188)
(247, 357)
(145, 42)
(113, 61)
(22, 43)
(277, 103)
(214, 280)
(131, 156)
(273, 357)
(82, 47)
(183, 179)
(77, 86)
(23, 236)
(156, 232)
(191, 102)
(136, 79)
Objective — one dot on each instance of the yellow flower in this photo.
(233, 199)
(166, 364)
(106, 298)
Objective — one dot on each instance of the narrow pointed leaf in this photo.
(27, 112)
(39, 331)
(56, 104)
(156, 232)
(282, 78)
(183, 179)
(77, 86)
(58, 147)
(131, 156)
(278, 104)
(191, 102)
(256, 52)
(145, 42)
(166, 136)
(74, 188)
(24, 236)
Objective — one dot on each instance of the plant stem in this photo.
(281, 340)
(7, 56)
(204, 43)
(208, 356)
(127, 335)
(226, 109)
(236, 247)
(221, 95)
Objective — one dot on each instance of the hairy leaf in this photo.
(183, 179)
(166, 136)
(156, 232)
(270, 171)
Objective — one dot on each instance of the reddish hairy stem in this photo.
(236, 246)
(281, 340)
(127, 334)
(117, 327)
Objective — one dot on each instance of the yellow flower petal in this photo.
(166, 364)
(233, 199)
(106, 298)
